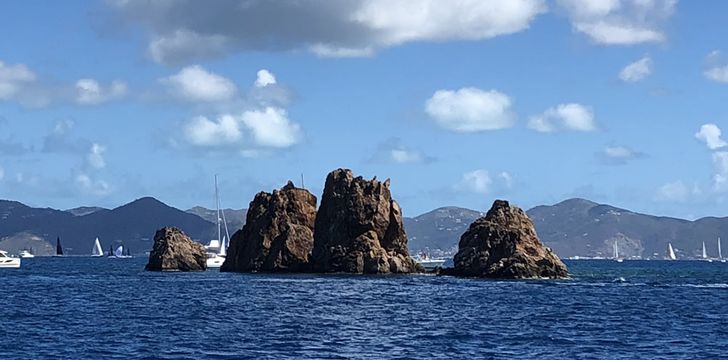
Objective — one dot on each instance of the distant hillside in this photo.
(440, 228)
(235, 218)
(85, 210)
(133, 224)
(581, 227)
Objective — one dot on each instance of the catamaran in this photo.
(96, 251)
(120, 254)
(670, 252)
(217, 249)
(59, 248)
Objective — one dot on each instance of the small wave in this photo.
(706, 286)
(619, 280)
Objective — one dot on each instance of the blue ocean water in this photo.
(73, 308)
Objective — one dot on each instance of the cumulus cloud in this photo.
(271, 127)
(470, 110)
(13, 78)
(618, 155)
(90, 92)
(88, 185)
(637, 70)
(264, 78)
(480, 181)
(194, 83)
(202, 131)
(620, 22)
(394, 151)
(676, 191)
(95, 157)
(710, 134)
(572, 116)
(186, 30)
(717, 69)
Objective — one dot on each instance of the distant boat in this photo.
(96, 251)
(8, 262)
(27, 253)
(428, 263)
(59, 248)
(720, 254)
(119, 253)
(670, 252)
(705, 254)
(616, 252)
(217, 249)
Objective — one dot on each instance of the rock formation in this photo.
(359, 228)
(277, 235)
(504, 244)
(175, 251)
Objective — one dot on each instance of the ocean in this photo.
(78, 308)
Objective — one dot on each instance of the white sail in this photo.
(223, 247)
(720, 254)
(616, 250)
(671, 253)
(119, 252)
(97, 251)
(705, 253)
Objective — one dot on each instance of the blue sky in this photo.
(458, 102)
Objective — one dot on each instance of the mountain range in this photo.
(574, 227)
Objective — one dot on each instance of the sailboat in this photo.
(96, 251)
(670, 252)
(720, 254)
(119, 253)
(616, 252)
(705, 254)
(59, 248)
(217, 249)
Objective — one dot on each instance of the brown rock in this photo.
(278, 233)
(175, 251)
(504, 244)
(359, 228)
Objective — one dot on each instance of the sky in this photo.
(457, 102)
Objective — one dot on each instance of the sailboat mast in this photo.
(705, 253)
(616, 250)
(720, 254)
(217, 206)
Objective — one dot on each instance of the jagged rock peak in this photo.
(173, 250)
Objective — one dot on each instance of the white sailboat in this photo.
(120, 254)
(670, 252)
(616, 252)
(705, 254)
(720, 254)
(97, 251)
(217, 249)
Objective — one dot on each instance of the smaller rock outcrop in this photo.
(504, 244)
(277, 235)
(175, 251)
(359, 228)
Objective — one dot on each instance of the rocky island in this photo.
(277, 235)
(175, 251)
(504, 244)
(359, 228)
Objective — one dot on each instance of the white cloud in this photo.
(393, 150)
(676, 191)
(507, 179)
(12, 78)
(470, 110)
(90, 92)
(201, 131)
(476, 181)
(272, 128)
(95, 157)
(637, 70)
(720, 178)
(181, 31)
(710, 134)
(197, 84)
(717, 68)
(87, 185)
(618, 155)
(265, 78)
(572, 116)
(620, 22)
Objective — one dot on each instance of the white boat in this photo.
(26, 254)
(97, 251)
(616, 252)
(705, 254)
(8, 262)
(120, 254)
(670, 252)
(217, 248)
(429, 263)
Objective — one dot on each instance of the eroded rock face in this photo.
(278, 233)
(504, 244)
(175, 251)
(359, 228)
